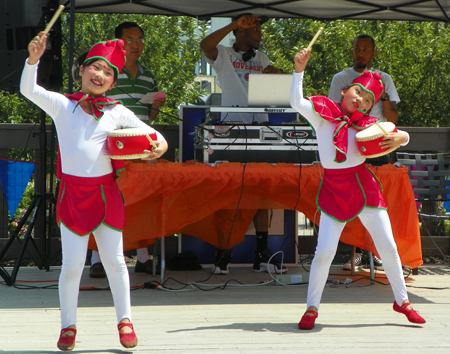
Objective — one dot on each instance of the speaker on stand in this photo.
(20, 21)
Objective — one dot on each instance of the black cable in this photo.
(231, 128)
(220, 287)
(232, 224)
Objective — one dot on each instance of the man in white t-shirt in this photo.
(233, 65)
(363, 51)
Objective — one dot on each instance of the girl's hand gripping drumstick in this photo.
(53, 20)
(152, 143)
(314, 38)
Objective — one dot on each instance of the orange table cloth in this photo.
(200, 200)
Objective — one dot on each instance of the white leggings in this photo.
(377, 222)
(74, 249)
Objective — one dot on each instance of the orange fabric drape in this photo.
(201, 200)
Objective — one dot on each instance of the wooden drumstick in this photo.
(384, 131)
(53, 20)
(314, 38)
(152, 143)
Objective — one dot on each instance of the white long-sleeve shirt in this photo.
(81, 138)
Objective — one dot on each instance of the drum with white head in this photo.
(368, 140)
(130, 143)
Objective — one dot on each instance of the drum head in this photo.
(130, 132)
(375, 131)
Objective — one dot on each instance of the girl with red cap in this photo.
(89, 199)
(348, 189)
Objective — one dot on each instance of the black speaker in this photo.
(20, 21)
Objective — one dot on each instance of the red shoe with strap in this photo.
(67, 343)
(412, 315)
(307, 322)
(128, 340)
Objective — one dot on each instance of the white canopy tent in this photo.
(405, 10)
(326, 10)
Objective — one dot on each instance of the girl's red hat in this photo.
(371, 82)
(111, 52)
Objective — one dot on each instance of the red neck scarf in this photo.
(330, 111)
(95, 103)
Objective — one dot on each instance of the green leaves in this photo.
(171, 51)
(14, 109)
(415, 54)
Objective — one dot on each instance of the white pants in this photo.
(74, 249)
(377, 222)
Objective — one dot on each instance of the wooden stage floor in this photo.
(256, 317)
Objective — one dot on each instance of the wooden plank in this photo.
(435, 245)
(21, 136)
(431, 245)
(427, 139)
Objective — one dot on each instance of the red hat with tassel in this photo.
(110, 51)
(371, 82)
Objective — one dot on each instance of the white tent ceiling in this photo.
(406, 10)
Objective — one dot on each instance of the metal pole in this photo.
(71, 43)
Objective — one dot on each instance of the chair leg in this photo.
(353, 261)
(372, 275)
(163, 258)
(155, 256)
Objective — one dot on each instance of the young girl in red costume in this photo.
(89, 200)
(348, 189)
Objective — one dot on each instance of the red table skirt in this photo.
(196, 199)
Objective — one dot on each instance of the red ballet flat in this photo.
(67, 343)
(307, 322)
(128, 340)
(412, 315)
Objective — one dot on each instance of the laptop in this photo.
(269, 90)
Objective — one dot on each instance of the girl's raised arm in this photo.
(301, 59)
(36, 48)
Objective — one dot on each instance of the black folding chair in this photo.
(430, 178)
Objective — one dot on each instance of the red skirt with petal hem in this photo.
(344, 193)
(86, 202)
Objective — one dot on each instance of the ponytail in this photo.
(76, 67)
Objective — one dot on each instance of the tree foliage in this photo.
(415, 54)
(14, 109)
(171, 51)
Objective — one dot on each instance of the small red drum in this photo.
(368, 140)
(130, 143)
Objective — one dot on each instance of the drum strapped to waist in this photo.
(368, 140)
(130, 143)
